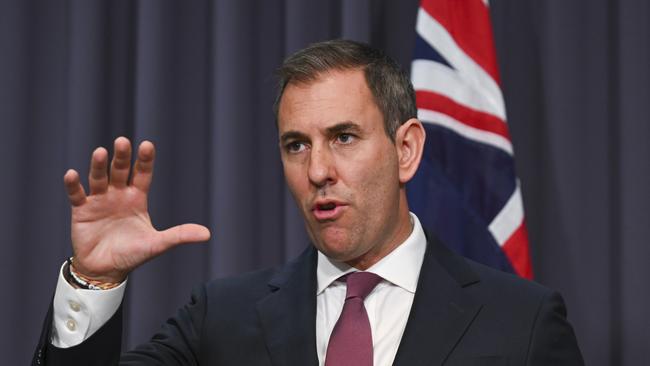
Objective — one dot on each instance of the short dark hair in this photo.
(391, 88)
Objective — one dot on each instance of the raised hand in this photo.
(112, 233)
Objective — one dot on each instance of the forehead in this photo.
(334, 96)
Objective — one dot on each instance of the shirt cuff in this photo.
(79, 313)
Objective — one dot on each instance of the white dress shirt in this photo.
(80, 313)
(388, 304)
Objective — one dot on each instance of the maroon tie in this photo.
(351, 339)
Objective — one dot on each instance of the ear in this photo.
(409, 142)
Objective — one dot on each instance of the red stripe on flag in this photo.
(468, 22)
(470, 117)
(516, 249)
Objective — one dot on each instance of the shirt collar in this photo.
(400, 267)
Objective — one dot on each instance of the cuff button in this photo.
(75, 306)
(71, 325)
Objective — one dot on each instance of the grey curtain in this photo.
(196, 78)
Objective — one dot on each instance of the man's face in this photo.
(341, 167)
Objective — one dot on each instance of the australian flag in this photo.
(466, 190)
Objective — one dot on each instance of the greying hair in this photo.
(392, 90)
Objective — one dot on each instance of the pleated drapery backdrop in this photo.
(196, 78)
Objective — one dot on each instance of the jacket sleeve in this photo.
(102, 348)
(176, 343)
(553, 341)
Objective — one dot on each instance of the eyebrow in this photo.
(346, 126)
(292, 135)
(341, 127)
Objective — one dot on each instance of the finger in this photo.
(186, 233)
(121, 162)
(76, 193)
(143, 168)
(98, 177)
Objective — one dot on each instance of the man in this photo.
(374, 289)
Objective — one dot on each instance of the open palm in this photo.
(111, 230)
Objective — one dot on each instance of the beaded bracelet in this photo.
(86, 283)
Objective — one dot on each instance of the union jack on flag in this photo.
(466, 190)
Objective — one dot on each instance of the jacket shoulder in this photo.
(500, 282)
(256, 284)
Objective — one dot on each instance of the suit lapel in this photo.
(288, 314)
(441, 310)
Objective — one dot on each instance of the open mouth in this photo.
(326, 206)
(327, 210)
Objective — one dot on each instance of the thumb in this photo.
(186, 233)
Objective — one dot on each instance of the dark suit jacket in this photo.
(463, 313)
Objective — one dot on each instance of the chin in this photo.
(335, 249)
(335, 242)
(341, 252)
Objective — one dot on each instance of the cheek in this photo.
(295, 180)
(376, 178)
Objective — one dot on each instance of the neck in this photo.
(402, 232)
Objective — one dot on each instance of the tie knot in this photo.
(360, 284)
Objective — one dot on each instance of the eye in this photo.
(345, 138)
(294, 147)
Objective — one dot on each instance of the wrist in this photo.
(80, 281)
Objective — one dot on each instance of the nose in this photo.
(322, 170)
